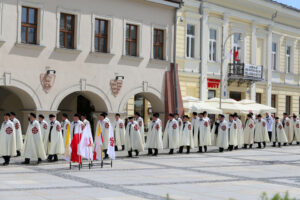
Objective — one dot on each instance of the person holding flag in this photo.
(105, 128)
(77, 128)
(98, 137)
(133, 138)
(67, 137)
(65, 124)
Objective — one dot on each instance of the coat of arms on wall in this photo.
(47, 81)
(116, 86)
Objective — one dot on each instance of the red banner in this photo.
(213, 83)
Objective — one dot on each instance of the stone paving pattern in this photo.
(240, 175)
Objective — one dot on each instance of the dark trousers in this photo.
(6, 159)
(270, 135)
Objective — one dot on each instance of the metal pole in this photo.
(221, 74)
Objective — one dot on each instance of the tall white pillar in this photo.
(204, 58)
(253, 56)
(225, 62)
(269, 67)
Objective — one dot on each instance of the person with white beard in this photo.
(278, 134)
(55, 144)
(222, 139)
(261, 132)
(133, 138)
(44, 128)
(232, 132)
(140, 122)
(186, 139)
(104, 124)
(119, 133)
(154, 139)
(296, 129)
(7, 139)
(286, 123)
(19, 136)
(240, 133)
(249, 132)
(33, 146)
(65, 124)
(171, 134)
(202, 137)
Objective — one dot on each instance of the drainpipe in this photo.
(201, 33)
(174, 56)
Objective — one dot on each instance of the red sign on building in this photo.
(213, 83)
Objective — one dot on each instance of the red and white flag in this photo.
(111, 144)
(86, 143)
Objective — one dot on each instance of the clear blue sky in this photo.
(294, 3)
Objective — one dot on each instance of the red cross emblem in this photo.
(140, 123)
(251, 125)
(8, 130)
(223, 128)
(264, 124)
(174, 126)
(82, 126)
(157, 127)
(34, 130)
(280, 127)
(297, 125)
(58, 128)
(45, 126)
(287, 124)
(17, 126)
(190, 127)
(136, 128)
(111, 141)
(234, 126)
(179, 123)
(205, 124)
(121, 125)
(106, 125)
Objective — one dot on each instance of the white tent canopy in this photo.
(228, 105)
(256, 108)
(192, 104)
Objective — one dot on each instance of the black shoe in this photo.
(205, 148)
(236, 147)
(129, 154)
(155, 152)
(149, 152)
(18, 153)
(26, 162)
(55, 158)
(200, 150)
(116, 148)
(221, 149)
(284, 144)
(123, 147)
(39, 161)
(245, 146)
(180, 149)
(171, 151)
(50, 158)
(279, 144)
(230, 148)
(250, 146)
(259, 145)
(136, 153)
(264, 143)
(188, 148)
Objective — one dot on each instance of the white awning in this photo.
(256, 108)
(228, 105)
(192, 104)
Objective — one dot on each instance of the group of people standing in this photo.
(46, 140)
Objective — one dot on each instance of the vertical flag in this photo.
(86, 143)
(68, 149)
(111, 144)
(98, 144)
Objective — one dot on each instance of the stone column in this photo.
(253, 56)
(204, 58)
(225, 62)
(269, 67)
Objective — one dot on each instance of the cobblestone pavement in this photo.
(242, 174)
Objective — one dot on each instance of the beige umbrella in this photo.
(228, 105)
(192, 104)
(256, 108)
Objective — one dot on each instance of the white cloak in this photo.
(171, 135)
(44, 132)
(119, 133)
(278, 134)
(154, 139)
(133, 137)
(249, 132)
(105, 132)
(19, 136)
(233, 133)
(202, 135)
(34, 147)
(56, 146)
(180, 122)
(296, 130)
(240, 132)
(140, 122)
(214, 136)
(8, 139)
(64, 125)
(288, 129)
(186, 135)
(222, 138)
(261, 132)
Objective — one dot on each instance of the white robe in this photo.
(261, 132)
(154, 139)
(140, 122)
(133, 137)
(56, 145)
(64, 125)
(8, 139)
(288, 129)
(249, 132)
(44, 132)
(278, 134)
(34, 147)
(119, 133)
(202, 137)
(214, 136)
(19, 136)
(233, 133)
(105, 132)
(240, 133)
(195, 125)
(180, 122)
(296, 130)
(222, 138)
(186, 134)
(171, 135)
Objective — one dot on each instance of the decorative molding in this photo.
(83, 84)
(47, 81)
(145, 86)
(7, 79)
(116, 86)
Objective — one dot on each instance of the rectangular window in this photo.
(211, 94)
(190, 41)
(158, 44)
(131, 40)
(101, 35)
(274, 56)
(273, 101)
(67, 30)
(258, 97)
(288, 105)
(237, 37)
(235, 95)
(288, 59)
(213, 45)
(29, 25)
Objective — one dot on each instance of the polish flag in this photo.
(237, 55)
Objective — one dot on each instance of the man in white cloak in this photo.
(154, 139)
(105, 125)
(261, 132)
(119, 132)
(65, 124)
(171, 134)
(278, 134)
(186, 139)
(286, 123)
(140, 122)
(249, 132)
(296, 129)
(222, 139)
(133, 138)
(233, 133)
(19, 136)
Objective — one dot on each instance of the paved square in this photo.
(242, 174)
